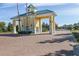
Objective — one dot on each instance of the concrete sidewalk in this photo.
(41, 45)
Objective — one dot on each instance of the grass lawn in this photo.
(76, 34)
(6, 33)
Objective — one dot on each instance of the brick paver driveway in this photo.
(56, 44)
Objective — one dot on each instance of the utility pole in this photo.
(26, 16)
(18, 17)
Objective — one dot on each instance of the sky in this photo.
(67, 13)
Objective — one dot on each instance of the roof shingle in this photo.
(38, 13)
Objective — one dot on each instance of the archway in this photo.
(45, 25)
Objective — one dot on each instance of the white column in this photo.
(50, 29)
(15, 30)
(34, 25)
(14, 27)
(21, 25)
(35, 31)
(40, 25)
(52, 24)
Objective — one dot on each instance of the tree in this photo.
(2, 26)
(56, 26)
(10, 27)
(68, 27)
(45, 27)
(76, 26)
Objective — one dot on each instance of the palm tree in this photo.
(18, 17)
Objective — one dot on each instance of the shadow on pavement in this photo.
(10, 35)
(18, 35)
(61, 53)
(62, 34)
(58, 40)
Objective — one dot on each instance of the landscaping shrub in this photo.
(25, 32)
(76, 35)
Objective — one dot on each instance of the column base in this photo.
(15, 32)
(52, 32)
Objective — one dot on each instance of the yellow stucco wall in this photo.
(37, 25)
(37, 22)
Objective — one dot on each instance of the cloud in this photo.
(46, 4)
(6, 5)
(70, 12)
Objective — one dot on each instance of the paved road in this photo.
(43, 45)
